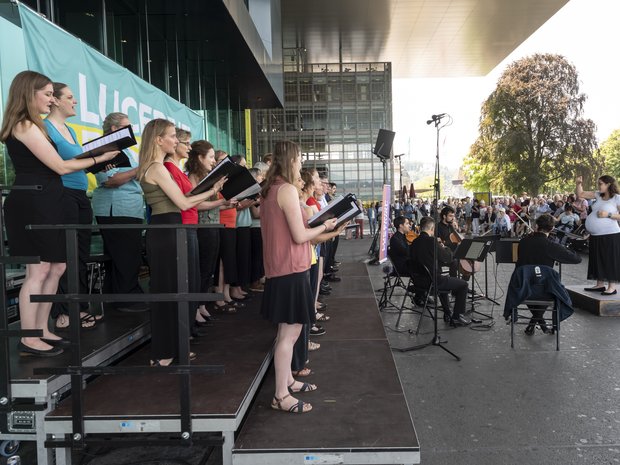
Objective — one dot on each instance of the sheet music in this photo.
(112, 137)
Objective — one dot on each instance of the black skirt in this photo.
(289, 299)
(604, 257)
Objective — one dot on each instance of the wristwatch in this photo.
(609, 215)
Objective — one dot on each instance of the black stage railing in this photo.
(77, 439)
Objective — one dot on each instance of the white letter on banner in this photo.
(85, 115)
(116, 109)
(126, 104)
(144, 114)
(103, 93)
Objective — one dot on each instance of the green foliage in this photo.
(610, 150)
(531, 132)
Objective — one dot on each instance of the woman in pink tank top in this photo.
(288, 299)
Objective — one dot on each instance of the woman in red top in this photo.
(288, 298)
(173, 165)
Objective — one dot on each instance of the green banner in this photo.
(101, 86)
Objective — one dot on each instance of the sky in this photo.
(586, 32)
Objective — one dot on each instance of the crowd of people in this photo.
(542, 225)
(262, 245)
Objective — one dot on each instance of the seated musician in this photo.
(448, 233)
(422, 252)
(537, 249)
(399, 246)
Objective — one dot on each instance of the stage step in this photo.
(594, 302)
(360, 413)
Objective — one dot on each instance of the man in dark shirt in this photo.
(399, 247)
(537, 249)
(422, 264)
(445, 229)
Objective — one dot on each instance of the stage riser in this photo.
(594, 302)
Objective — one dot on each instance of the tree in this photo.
(531, 132)
(610, 150)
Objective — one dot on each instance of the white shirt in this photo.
(600, 226)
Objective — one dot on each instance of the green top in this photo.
(210, 216)
(157, 199)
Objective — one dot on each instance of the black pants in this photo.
(244, 256)
(193, 264)
(161, 252)
(209, 252)
(77, 210)
(257, 268)
(300, 349)
(228, 254)
(124, 247)
(459, 291)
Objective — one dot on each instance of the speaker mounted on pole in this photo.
(383, 146)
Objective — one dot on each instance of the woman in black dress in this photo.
(36, 163)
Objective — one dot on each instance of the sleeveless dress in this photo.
(288, 296)
(24, 207)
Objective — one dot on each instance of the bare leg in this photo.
(283, 355)
(50, 286)
(36, 275)
(220, 286)
(611, 286)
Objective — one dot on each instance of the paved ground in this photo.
(497, 406)
(528, 405)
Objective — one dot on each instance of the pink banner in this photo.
(385, 222)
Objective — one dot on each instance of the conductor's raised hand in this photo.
(330, 224)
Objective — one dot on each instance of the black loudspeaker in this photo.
(383, 147)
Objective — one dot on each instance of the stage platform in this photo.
(594, 302)
(360, 414)
(242, 342)
(112, 339)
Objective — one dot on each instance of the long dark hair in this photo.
(193, 165)
(284, 155)
(613, 186)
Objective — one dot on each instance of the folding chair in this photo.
(554, 319)
(429, 291)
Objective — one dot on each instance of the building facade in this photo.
(334, 112)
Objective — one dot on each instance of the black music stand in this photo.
(475, 250)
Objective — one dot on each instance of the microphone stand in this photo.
(436, 341)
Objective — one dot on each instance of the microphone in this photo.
(435, 118)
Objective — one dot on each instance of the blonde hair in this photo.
(148, 147)
(113, 119)
(20, 105)
(182, 133)
(284, 155)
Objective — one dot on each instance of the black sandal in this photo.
(86, 318)
(297, 407)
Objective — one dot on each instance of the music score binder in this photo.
(116, 140)
(344, 209)
(240, 184)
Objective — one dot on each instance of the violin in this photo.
(412, 235)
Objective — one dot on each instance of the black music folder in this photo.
(116, 140)
(240, 184)
(344, 209)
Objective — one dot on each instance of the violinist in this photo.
(422, 256)
(399, 246)
(448, 233)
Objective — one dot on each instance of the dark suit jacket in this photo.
(537, 249)
(399, 253)
(526, 284)
(422, 256)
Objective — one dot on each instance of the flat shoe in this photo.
(26, 350)
(614, 292)
(594, 289)
(57, 342)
